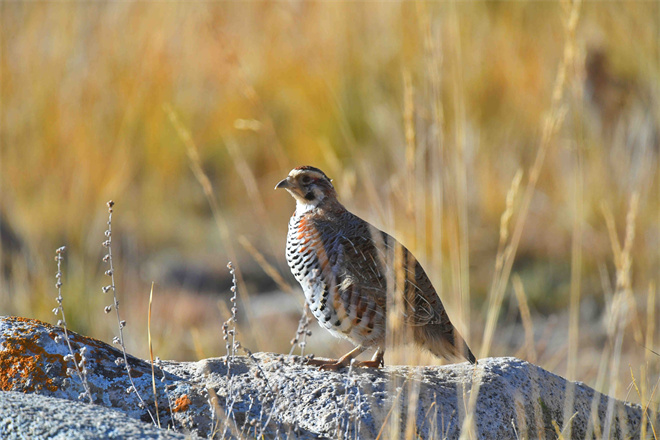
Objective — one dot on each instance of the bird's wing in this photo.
(353, 265)
(370, 260)
(424, 305)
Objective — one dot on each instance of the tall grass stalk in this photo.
(550, 126)
(459, 167)
(623, 305)
(151, 357)
(529, 348)
(644, 396)
(209, 193)
(577, 193)
(504, 261)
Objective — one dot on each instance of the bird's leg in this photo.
(331, 364)
(375, 362)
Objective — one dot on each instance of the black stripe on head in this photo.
(311, 168)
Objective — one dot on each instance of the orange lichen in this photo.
(23, 359)
(25, 365)
(181, 404)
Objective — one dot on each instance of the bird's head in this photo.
(309, 186)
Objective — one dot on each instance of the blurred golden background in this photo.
(425, 114)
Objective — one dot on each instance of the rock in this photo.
(278, 397)
(39, 417)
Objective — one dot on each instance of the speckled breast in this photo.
(340, 311)
(305, 254)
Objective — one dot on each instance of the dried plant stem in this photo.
(120, 323)
(163, 380)
(551, 125)
(393, 409)
(650, 329)
(207, 187)
(301, 333)
(229, 326)
(575, 288)
(265, 265)
(411, 144)
(526, 317)
(202, 178)
(503, 251)
(151, 355)
(576, 271)
(504, 260)
(81, 370)
(622, 308)
(434, 63)
(462, 255)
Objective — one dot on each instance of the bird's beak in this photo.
(284, 183)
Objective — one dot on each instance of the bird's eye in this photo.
(306, 179)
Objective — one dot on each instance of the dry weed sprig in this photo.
(248, 421)
(302, 333)
(271, 413)
(229, 326)
(119, 340)
(80, 368)
(231, 344)
(230, 415)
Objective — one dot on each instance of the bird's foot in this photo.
(374, 363)
(345, 360)
(328, 364)
(334, 365)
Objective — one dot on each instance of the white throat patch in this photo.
(305, 207)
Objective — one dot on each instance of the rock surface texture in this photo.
(278, 397)
(31, 416)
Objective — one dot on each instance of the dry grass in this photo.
(424, 114)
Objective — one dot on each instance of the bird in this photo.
(351, 272)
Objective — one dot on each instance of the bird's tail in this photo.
(443, 342)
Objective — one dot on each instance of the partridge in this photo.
(350, 272)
